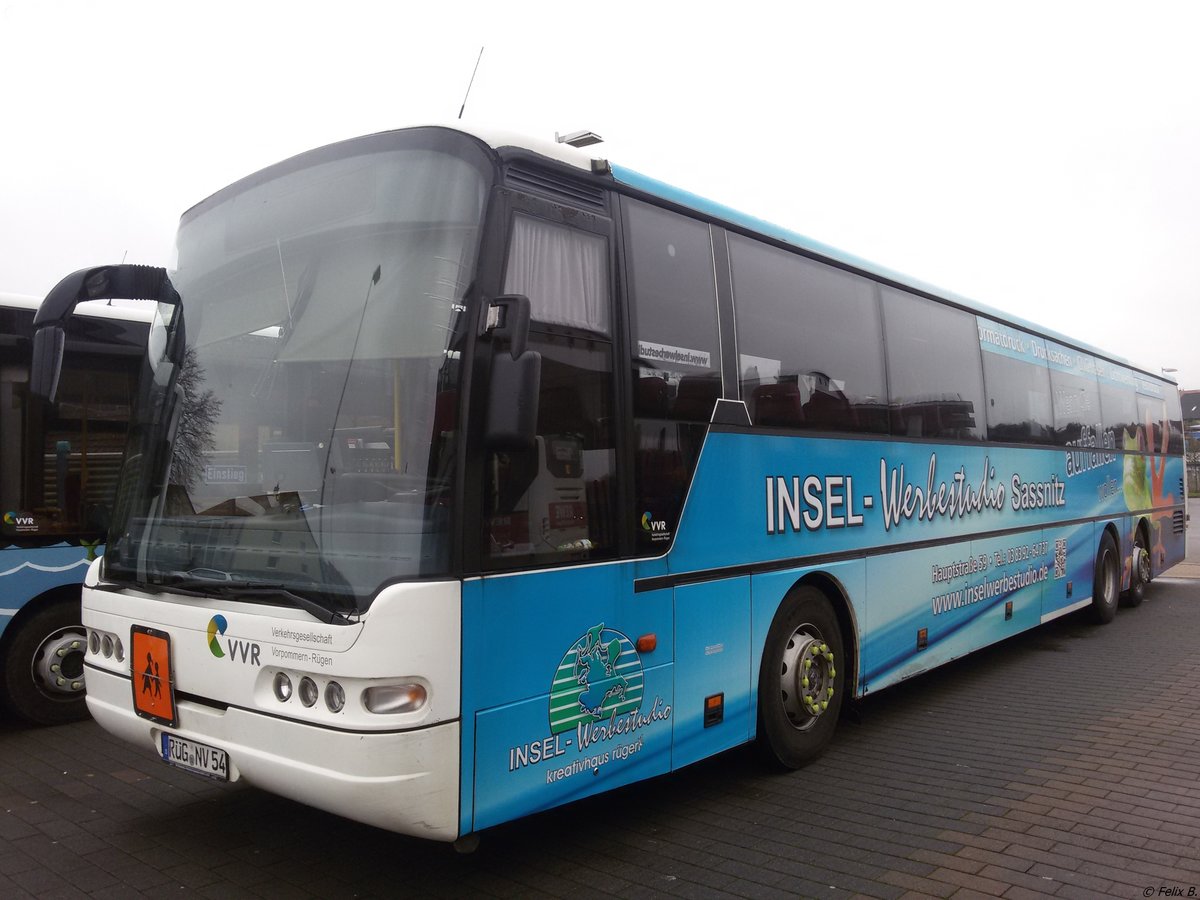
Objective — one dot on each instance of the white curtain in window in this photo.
(563, 271)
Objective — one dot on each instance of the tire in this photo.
(801, 681)
(43, 666)
(1106, 582)
(1139, 578)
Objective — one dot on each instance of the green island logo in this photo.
(595, 709)
(599, 678)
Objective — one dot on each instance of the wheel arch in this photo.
(63, 593)
(1143, 527)
(1113, 531)
(836, 593)
(1110, 528)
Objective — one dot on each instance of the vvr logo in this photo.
(238, 651)
(11, 518)
(654, 526)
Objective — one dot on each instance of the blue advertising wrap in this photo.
(940, 550)
(616, 672)
(946, 534)
(26, 572)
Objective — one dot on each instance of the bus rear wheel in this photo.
(1140, 576)
(801, 681)
(1106, 583)
(43, 666)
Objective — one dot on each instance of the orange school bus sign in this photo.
(150, 665)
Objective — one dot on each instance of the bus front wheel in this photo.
(43, 666)
(1106, 584)
(801, 681)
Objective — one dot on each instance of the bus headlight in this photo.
(335, 697)
(282, 687)
(308, 691)
(385, 699)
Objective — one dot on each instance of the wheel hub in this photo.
(807, 678)
(1141, 563)
(58, 664)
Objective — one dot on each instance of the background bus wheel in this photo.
(801, 681)
(1107, 581)
(467, 844)
(1140, 577)
(43, 666)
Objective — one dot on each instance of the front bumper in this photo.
(404, 781)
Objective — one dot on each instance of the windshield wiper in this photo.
(226, 586)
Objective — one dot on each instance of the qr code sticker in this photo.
(1060, 558)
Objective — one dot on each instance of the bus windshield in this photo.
(311, 417)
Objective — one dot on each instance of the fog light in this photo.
(94, 641)
(394, 698)
(106, 645)
(283, 687)
(335, 697)
(308, 691)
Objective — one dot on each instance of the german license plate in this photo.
(195, 757)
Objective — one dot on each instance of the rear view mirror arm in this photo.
(126, 282)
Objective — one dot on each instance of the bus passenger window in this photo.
(1152, 416)
(1174, 422)
(677, 360)
(1075, 397)
(554, 501)
(810, 344)
(1118, 406)
(72, 482)
(1018, 385)
(934, 374)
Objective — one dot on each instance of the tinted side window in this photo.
(1152, 413)
(1156, 410)
(675, 314)
(554, 502)
(1175, 421)
(1076, 397)
(1118, 406)
(809, 341)
(677, 360)
(934, 375)
(1018, 384)
(61, 463)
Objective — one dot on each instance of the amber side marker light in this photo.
(714, 709)
(922, 638)
(646, 643)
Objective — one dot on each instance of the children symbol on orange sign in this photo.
(150, 677)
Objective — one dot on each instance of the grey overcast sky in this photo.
(1040, 157)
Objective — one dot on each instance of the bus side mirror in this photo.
(124, 282)
(516, 377)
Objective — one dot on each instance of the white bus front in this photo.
(277, 601)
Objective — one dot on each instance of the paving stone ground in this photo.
(1063, 763)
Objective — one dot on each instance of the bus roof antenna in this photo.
(469, 83)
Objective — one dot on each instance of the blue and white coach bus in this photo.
(58, 474)
(474, 475)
